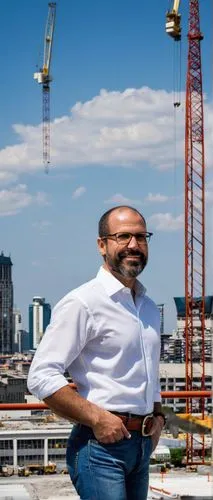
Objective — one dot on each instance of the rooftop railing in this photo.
(164, 394)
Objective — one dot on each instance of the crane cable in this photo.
(177, 51)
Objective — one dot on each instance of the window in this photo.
(6, 444)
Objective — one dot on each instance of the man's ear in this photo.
(101, 246)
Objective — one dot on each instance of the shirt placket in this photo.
(139, 302)
(135, 307)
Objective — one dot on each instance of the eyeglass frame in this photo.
(113, 237)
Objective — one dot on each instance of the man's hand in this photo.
(157, 426)
(110, 428)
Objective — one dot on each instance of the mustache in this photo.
(129, 253)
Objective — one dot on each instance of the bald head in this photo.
(122, 213)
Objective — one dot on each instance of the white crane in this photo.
(43, 77)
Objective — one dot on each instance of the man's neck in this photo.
(128, 282)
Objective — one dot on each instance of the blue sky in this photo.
(112, 141)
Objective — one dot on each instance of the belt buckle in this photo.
(144, 424)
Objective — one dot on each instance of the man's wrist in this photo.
(160, 415)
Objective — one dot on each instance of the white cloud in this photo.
(166, 221)
(133, 127)
(123, 200)
(7, 177)
(78, 192)
(156, 198)
(13, 200)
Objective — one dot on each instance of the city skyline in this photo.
(115, 138)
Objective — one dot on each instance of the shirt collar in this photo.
(112, 285)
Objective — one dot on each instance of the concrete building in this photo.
(6, 305)
(30, 446)
(40, 444)
(172, 378)
(39, 318)
(12, 388)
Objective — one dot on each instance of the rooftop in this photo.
(5, 260)
(181, 305)
(59, 487)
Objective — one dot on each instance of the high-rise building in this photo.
(161, 309)
(6, 305)
(39, 318)
(24, 341)
(17, 327)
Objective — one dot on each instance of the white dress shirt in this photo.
(109, 344)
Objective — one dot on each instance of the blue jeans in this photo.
(115, 471)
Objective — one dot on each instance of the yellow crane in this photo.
(173, 19)
(173, 29)
(43, 77)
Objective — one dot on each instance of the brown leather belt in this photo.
(142, 423)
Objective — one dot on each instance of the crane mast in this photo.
(43, 77)
(194, 216)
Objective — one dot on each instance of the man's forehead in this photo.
(126, 216)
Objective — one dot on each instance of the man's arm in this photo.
(61, 344)
(158, 410)
(67, 403)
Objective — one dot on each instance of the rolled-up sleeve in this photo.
(63, 341)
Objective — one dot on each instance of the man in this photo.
(106, 335)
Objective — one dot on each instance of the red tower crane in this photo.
(194, 215)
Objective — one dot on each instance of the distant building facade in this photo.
(12, 388)
(161, 310)
(6, 305)
(173, 378)
(178, 349)
(17, 327)
(24, 340)
(39, 318)
(164, 335)
(173, 345)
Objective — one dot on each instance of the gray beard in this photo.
(130, 271)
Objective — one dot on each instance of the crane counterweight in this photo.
(173, 22)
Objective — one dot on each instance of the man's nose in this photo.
(133, 242)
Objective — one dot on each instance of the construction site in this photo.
(33, 451)
(33, 447)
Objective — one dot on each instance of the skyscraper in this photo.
(39, 318)
(17, 327)
(6, 305)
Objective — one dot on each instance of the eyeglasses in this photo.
(125, 238)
